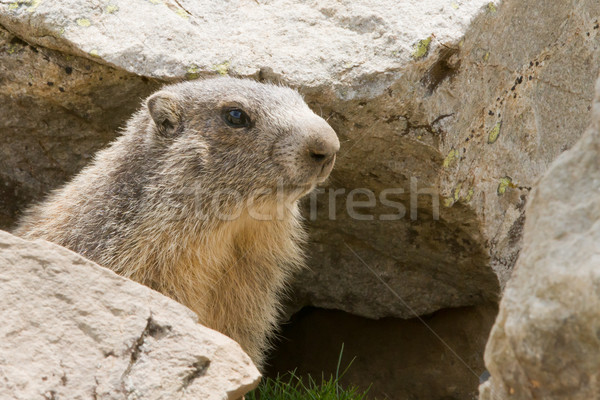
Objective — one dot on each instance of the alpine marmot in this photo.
(197, 199)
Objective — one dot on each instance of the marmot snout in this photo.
(146, 206)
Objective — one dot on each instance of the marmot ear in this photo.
(164, 110)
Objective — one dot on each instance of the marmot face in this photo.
(244, 136)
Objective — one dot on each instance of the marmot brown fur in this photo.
(198, 200)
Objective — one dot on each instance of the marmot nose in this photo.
(323, 149)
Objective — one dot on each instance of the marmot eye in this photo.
(236, 118)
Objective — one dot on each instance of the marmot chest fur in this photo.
(197, 199)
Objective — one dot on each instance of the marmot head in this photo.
(243, 136)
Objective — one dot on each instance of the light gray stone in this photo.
(74, 330)
(545, 342)
(317, 44)
(470, 99)
(513, 70)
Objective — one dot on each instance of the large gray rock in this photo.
(478, 121)
(74, 330)
(468, 99)
(320, 45)
(545, 343)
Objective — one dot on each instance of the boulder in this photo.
(477, 121)
(455, 108)
(545, 342)
(74, 330)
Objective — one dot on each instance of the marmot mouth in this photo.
(325, 170)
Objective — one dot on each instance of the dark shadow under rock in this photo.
(439, 356)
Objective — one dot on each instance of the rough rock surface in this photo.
(545, 342)
(479, 120)
(470, 99)
(74, 330)
(318, 43)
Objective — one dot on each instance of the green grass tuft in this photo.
(293, 387)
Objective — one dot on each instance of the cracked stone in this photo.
(152, 348)
(544, 344)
